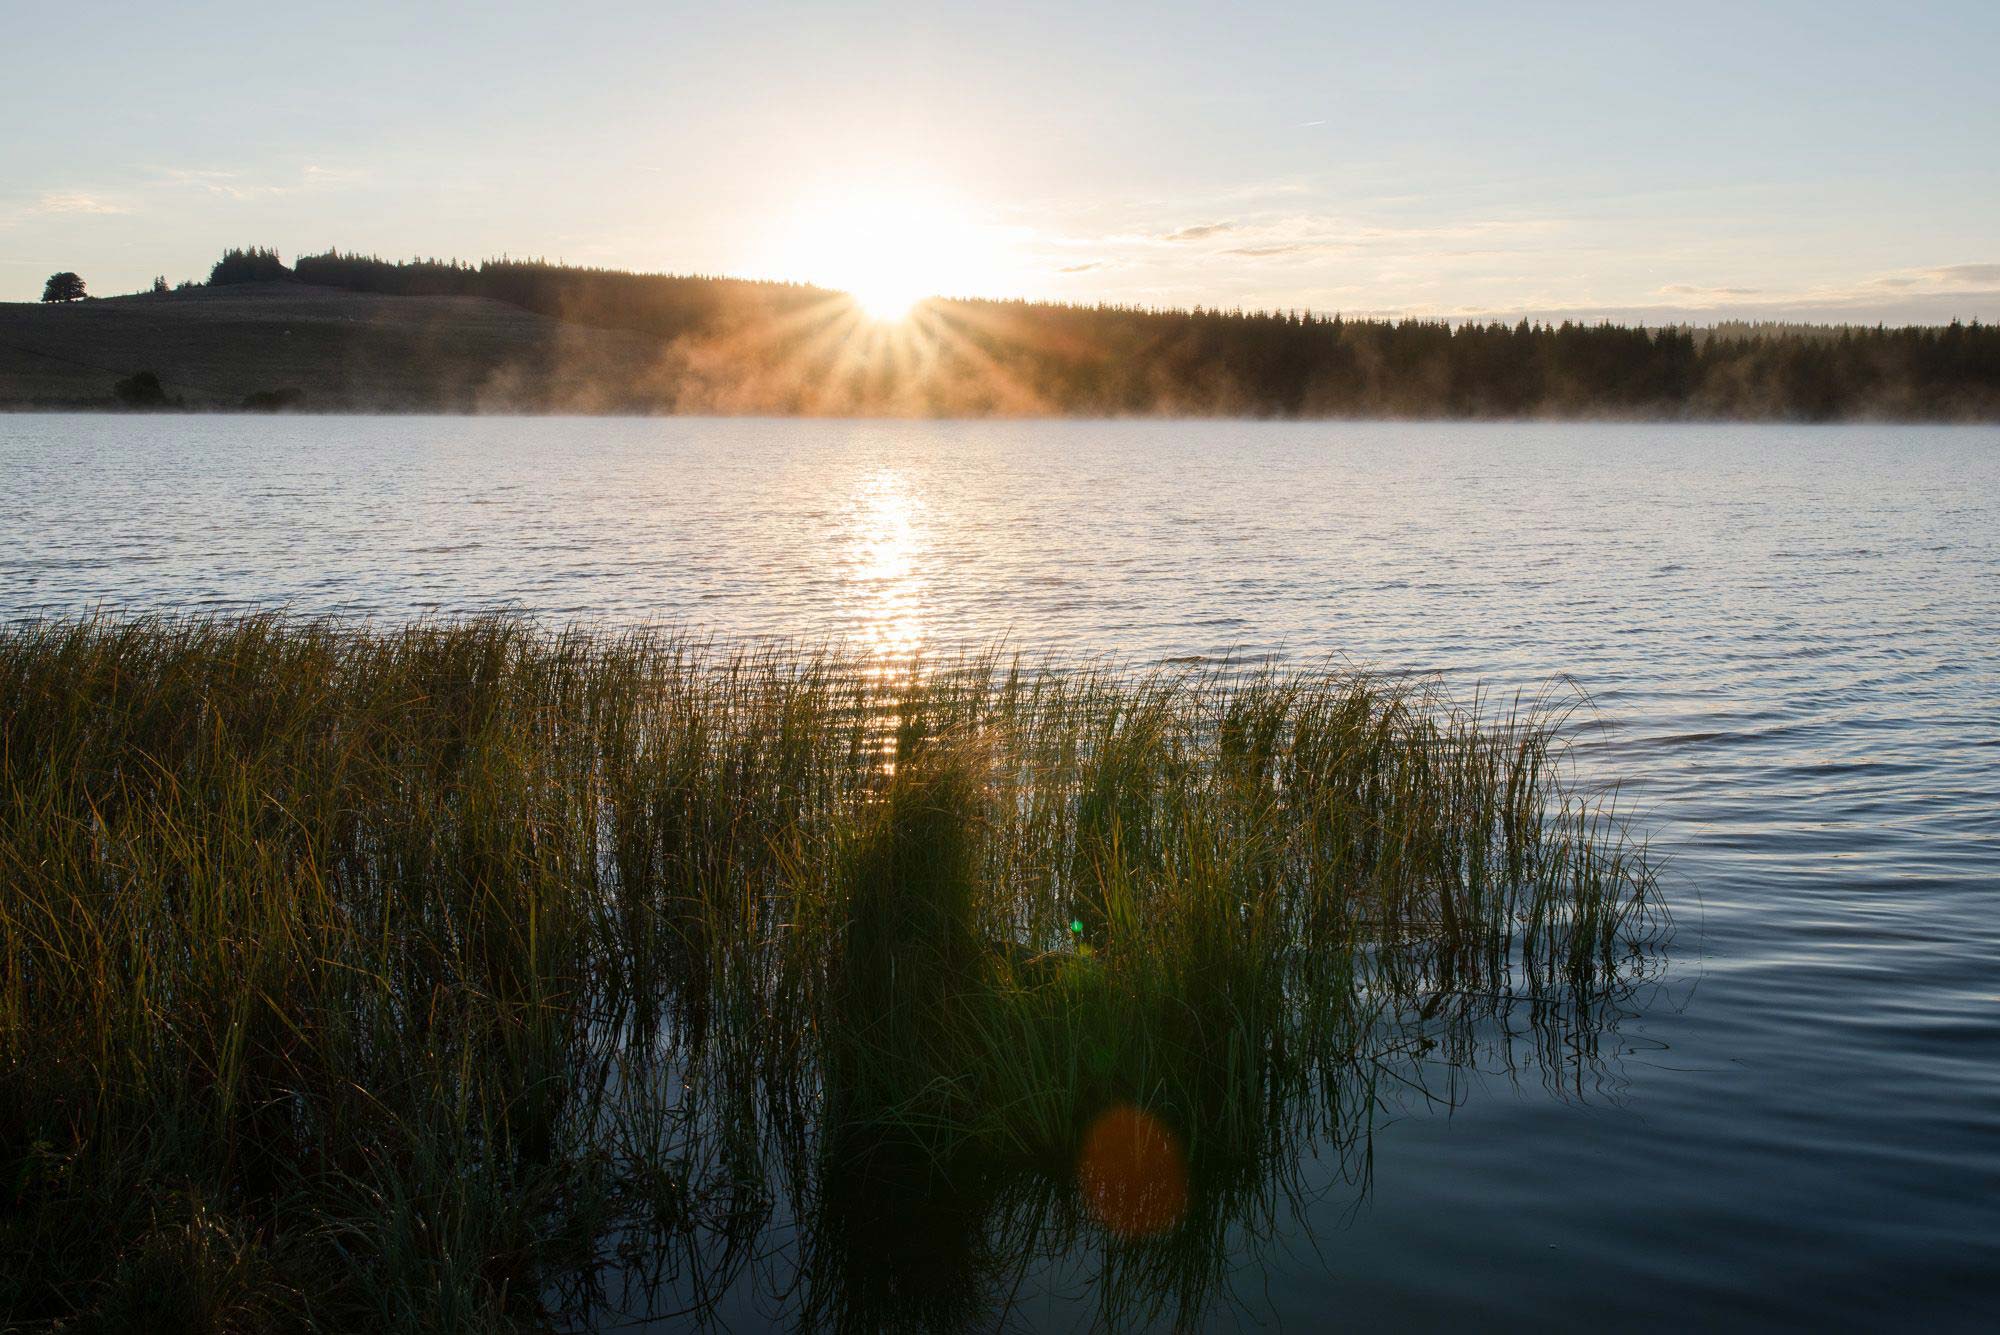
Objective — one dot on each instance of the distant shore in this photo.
(561, 341)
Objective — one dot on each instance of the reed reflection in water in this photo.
(832, 1227)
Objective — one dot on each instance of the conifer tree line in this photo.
(985, 356)
(254, 265)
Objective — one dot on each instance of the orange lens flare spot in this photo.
(1133, 1173)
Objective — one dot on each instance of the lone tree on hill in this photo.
(63, 286)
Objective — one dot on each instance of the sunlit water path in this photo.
(1786, 636)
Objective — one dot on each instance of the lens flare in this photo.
(1133, 1173)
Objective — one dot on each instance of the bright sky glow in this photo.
(1792, 158)
(890, 247)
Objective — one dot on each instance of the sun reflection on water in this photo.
(888, 589)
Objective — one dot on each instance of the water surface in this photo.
(1787, 639)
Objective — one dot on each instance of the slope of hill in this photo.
(344, 351)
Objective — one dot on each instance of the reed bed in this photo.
(476, 975)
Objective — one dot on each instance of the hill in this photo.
(349, 333)
(344, 351)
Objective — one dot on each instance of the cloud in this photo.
(1085, 267)
(162, 192)
(214, 182)
(1283, 248)
(233, 184)
(1942, 275)
(1707, 293)
(1320, 234)
(1862, 303)
(73, 201)
(1968, 273)
(24, 210)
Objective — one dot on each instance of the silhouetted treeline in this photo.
(667, 304)
(1294, 364)
(255, 265)
(734, 345)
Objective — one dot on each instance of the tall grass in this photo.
(467, 975)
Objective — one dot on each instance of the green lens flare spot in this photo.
(1076, 925)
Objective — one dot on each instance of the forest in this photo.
(729, 345)
(1028, 356)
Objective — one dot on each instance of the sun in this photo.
(887, 249)
(886, 299)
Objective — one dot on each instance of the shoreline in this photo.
(96, 409)
(545, 340)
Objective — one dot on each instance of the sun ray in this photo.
(1013, 395)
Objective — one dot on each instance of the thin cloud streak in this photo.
(234, 185)
(70, 201)
(1201, 232)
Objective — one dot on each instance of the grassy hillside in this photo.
(351, 351)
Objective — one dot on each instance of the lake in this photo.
(1785, 636)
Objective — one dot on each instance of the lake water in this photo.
(1787, 636)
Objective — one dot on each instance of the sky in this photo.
(1824, 161)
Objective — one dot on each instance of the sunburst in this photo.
(888, 249)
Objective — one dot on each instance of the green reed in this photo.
(436, 976)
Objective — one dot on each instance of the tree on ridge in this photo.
(64, 286)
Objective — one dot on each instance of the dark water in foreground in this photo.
(1787, 635)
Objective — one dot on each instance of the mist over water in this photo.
(1785, 635)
